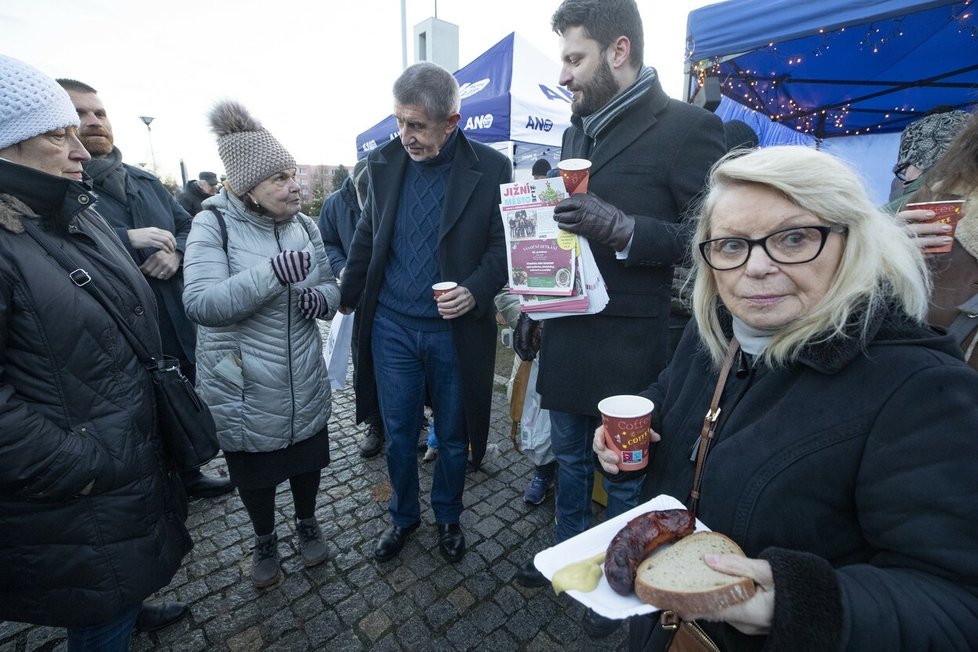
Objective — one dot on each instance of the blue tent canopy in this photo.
(837, 67)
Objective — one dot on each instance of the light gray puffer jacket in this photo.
(260, 364)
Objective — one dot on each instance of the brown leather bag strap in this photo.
(710, 423)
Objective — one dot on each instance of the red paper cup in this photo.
(945, 212)
(443, 287)
(575, 173)
(627, 422)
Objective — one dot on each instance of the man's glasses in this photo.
(900, 172)
(800, 244)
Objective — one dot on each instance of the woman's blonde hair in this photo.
(880, 263)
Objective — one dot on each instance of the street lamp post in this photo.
(146, 120)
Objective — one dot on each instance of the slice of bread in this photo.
(677, 579)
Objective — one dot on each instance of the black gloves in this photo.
(526, 337)
(312, 303)
(291, 266)
(596, 220)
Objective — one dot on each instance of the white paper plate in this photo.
(604, 599)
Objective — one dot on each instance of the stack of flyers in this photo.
(552, 270)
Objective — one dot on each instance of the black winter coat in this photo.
(191, 198)
(854, 472)
(148, 203)
(76, 406)
(337, 224)
(650, 163)
(471, 250)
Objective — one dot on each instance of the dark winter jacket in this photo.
(191, 198)
(853, 471)
(76, 406)
(338, 222)
(650, 163)
(148, 203)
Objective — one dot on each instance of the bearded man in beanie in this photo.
(154, 229)
(90, 512)
(431, 214)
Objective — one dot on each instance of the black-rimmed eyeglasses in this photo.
(799, 244)
(900, 172)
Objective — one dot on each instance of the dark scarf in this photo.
(109, 175)
(595, 123)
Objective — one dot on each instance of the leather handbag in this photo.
(687, 635)
(184, 421)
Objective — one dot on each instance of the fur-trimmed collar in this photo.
(11, 210)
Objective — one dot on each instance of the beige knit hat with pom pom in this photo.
(250, 153)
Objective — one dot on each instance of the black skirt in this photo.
(262, 470)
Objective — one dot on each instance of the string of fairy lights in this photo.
(768, 93)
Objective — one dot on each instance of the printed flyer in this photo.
(541, 258)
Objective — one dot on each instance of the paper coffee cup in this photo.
(443, 287)
(945, 212)
(627, 422)
(575, 173)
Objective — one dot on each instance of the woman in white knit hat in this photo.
(91, 514)
(256, 280)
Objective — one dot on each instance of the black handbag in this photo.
(184, 421)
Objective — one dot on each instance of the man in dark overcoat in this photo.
(650, 156)
(431, 215)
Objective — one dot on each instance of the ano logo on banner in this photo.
(478, 122)
(539, 124)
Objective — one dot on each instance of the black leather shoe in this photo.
(198, 485)
(157, 615)
(391, 541)
(597, 626)
(451, 542)
(373, 441)
(530, 577)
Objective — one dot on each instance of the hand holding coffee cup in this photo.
(625, 432)
(575, 172)
(452, 299)
(933, 224)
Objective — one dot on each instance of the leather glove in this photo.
(526, 337)
(291, 266)
(312, 303)
(596, 220)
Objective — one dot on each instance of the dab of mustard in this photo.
(581, 576)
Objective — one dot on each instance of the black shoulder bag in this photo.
(185, 423)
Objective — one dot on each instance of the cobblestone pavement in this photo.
(418, 601)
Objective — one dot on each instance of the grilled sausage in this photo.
(636, 541)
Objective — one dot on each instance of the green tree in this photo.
(340, 174)
(319, 195)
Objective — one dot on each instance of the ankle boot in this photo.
(312, 546)
(265, 569)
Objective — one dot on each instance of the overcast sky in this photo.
(315, 73)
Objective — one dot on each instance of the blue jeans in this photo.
(111, 636)
(405, 362)
(571, 436)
